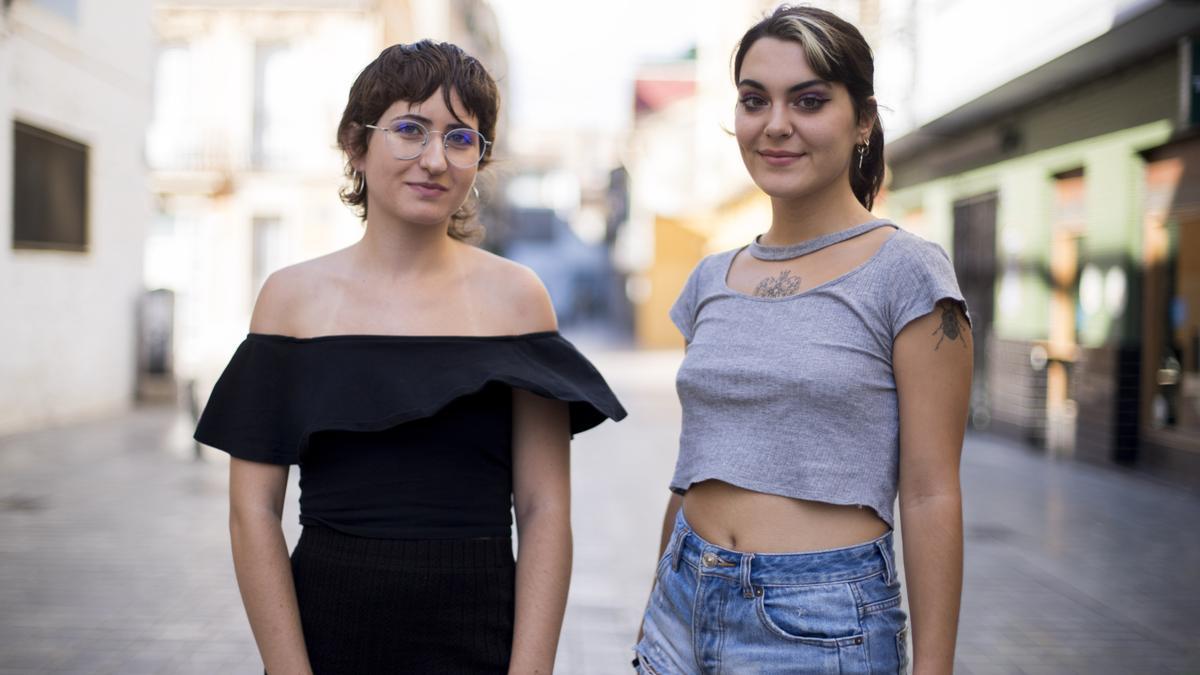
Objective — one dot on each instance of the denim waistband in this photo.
(781, 569)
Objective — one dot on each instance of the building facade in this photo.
(246, 170)
(75, 97)
(1065, 198)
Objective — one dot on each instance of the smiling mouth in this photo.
(779, 154)
(430, 186)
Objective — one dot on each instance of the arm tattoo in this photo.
(950, 327)
(778, 287)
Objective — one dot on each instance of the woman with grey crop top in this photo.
(828, 368)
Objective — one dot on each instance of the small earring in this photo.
(361, 181)
(862, 152)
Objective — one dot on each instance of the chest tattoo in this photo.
(778, 287)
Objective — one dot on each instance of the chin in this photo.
(785, 189)
(424, 217)
(428, 221)
(779, 186)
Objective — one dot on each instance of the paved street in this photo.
(114, 554)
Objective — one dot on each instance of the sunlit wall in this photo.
(76, 75)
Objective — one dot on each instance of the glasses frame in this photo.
(387, 132)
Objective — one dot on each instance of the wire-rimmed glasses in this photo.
(407, 139)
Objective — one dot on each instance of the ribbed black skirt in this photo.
(404, 606)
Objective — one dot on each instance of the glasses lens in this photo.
(464, 147)
(406, 139)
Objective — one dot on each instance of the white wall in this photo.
(201, 149)
(67, 345)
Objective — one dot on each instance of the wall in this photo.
(67, 348)
(247, 101)
(1100, 128)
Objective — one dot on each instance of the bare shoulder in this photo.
(290, 294)
(514, 293)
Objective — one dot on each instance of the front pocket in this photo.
(643, 666)
(825, 614)
(662, 564)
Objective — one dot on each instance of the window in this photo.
(174, 138)
(279, 88)
(50, 190)
(68, 9)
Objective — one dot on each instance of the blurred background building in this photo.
(75, 97)
(1056, 160)
(242, 148)
(1049, 158)
(165, 158)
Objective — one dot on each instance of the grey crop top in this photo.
(795, 396)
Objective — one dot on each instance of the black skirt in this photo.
(404, 606)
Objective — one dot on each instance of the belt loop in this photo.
(747, 587)
(889, 562)
(676, 545)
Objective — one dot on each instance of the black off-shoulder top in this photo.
(397, 437)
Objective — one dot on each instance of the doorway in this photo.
(975, 266)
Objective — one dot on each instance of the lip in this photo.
(779, 157)
(428, 189)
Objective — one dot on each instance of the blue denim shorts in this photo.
(714, 610)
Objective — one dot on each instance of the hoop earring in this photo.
(361, 180)
(862, 152)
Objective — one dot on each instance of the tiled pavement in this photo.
(114, 554)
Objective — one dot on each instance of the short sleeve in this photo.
(925, 279)
(251, 409)
(683, 312)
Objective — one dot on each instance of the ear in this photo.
(356, 162)
(866, 118)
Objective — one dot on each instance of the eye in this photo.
(408, 130)
(461, 138)
(752, 101)
(810, 102)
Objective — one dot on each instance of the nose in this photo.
(433, 155)
(778, 124)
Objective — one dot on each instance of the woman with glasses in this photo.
(422, 388)
(828, 367)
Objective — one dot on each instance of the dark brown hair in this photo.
(413, 72)
(837, 52)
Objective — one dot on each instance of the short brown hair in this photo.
(413, 72)
(837, 52)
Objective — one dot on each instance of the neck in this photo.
(401, 251)
(802, 218)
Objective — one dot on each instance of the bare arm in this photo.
(932, 359)
(260, 559)
(541, 496)
(542, 502)
(256, 492)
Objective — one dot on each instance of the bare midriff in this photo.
(754, 522)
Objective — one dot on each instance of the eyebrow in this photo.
(795, 87)
(421, 119)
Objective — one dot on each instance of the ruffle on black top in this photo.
(277, 391)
